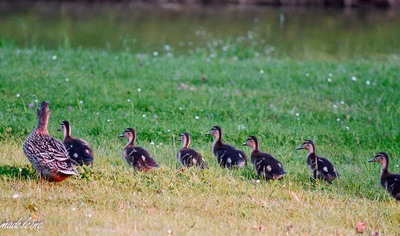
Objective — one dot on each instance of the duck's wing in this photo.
(267, 166)
(327, 169)
(144, 159)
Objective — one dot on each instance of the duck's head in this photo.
(43, 110)
(185, 139)
(128, 133)
(381, 157)
(215, 131)
(308, 145)
(65, 127)
(252, 142)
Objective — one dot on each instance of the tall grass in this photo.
(350, 109)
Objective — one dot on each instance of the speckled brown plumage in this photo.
(48, 155)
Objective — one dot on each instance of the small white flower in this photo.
(354, 78)
(152, 143)
(160, 144)
(73, 209)
(307, 74)
(297, 114)
(258, 181)
(367, 82)
(18, 95)
(167, 47)
(180, 108)
(108, 120)
(197, 117)
(330, 74)
(329, 80)
(81, 102)
(128, 100)
(169, 130)
(139, 90)
(157, 146)
(169, 231)
(347, 127)
(36, 100)
(155, 54)
(97, 113)
(144, 115)
(54, 57)
(261, 71)
(334, 106)
(66, 79)
(89, 215)
(15, 196)
(241, 127)
(342, 102)
(397, 166)
(338, 120)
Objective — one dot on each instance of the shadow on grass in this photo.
(27, 172)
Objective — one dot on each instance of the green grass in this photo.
(279, 100)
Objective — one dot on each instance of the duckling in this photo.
(391, 182)
(137, 157)
(189, 157)
(266, 165)
(227, 155)
(48, 155)
(79, 150)
(321, 167)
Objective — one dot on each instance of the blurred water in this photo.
(223, 30)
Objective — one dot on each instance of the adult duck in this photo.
(48, 155)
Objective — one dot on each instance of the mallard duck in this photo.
(137, 157)
(321, 167)
(48, 155)
(227, 155)
(389, 181)
(79, 150)
(189, 157)
(266, 165)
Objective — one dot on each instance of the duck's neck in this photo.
(42, 124)
(131, 140)
(255, 147)
(67, 132)
(218, 139)
(385, 167)
(186, 142)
